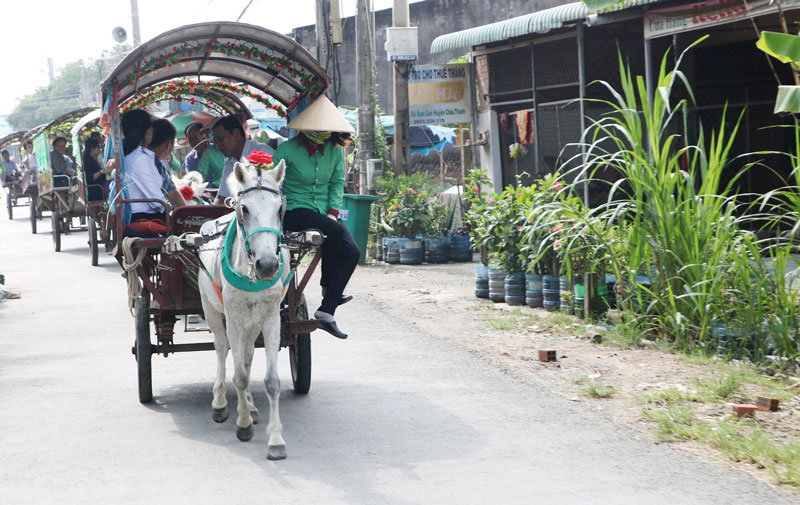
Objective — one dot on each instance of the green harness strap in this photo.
(237, 280)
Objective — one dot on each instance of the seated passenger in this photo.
(313, 187)
(162, 145)
(143, 177)
(11, 173)
(29, 165)
(60, 164)
(228, 135)
(205, 158)
(96, 175)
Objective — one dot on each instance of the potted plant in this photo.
(436, 225)
(473, 202)
(405, 216)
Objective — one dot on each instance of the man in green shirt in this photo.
(204, 157)
(313, 186)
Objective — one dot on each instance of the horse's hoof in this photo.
(276, 452)
(244, 434)
(220, 415)
(254, 415)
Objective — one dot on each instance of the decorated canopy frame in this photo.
(266, 60)
(217, 95)
(12, 138)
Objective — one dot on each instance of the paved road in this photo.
(394, 416)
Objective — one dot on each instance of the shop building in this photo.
(537, 76)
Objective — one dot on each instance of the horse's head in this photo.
(259, 209)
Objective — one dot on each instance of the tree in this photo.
(65, 92)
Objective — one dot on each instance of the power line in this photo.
(245, 10)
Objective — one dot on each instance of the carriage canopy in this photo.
(266, 60)
(12, 138)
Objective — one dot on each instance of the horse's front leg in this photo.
(219, 405)
(216, 323)
(251, 405)
(276, 446)
(239, 341)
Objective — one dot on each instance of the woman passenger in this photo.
(142, 175)
(96, 176)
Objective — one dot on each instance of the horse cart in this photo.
(57, 193)
(98, 222)
(162, 271)
(15, 190)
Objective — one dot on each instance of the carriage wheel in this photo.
(56, 230)
(10, 206)
(93, 240)
(144, 350)
(300, 354)
(33, 215)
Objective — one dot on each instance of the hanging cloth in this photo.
(505, 121)
(525, 126)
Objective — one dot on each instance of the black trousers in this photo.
(339, 252)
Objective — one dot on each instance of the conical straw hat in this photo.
(322, 116)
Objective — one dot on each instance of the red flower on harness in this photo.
(260, 159)
(188, 193)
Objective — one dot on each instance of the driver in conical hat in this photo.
(313, 186)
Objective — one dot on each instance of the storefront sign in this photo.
(439, 94)
(695, 16)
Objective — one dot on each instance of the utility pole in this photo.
(50, 69)
(137, 37)
(322, 32)
(366, 85)
(402, 148)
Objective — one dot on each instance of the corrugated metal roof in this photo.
(536, 22)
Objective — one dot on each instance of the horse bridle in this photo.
(244, 236)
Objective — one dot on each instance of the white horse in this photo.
(243, 300)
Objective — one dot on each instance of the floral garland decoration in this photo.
(229, 48)
(174, 89)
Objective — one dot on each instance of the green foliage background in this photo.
(64, 93)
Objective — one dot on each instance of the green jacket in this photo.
(311, 182)
(211, 164)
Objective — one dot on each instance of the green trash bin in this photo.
(355, 215)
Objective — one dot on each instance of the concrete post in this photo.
(366, 83)
(402, 119)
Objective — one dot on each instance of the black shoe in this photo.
(331, 328)
(344, 299)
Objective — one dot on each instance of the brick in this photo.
(767, 404)
(547, 356)
(744, 410)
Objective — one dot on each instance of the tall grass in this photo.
(671, 218)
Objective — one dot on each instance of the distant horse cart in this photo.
(179, 272)
(57, 193)
(98, 221)
(15, 189)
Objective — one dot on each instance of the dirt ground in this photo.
(440, 299)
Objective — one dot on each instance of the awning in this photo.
(536, 22)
